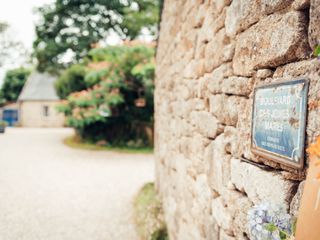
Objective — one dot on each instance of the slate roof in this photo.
(39, 86)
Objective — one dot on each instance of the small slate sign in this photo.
(279, 122)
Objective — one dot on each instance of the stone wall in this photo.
(32, 114)
(211, 55)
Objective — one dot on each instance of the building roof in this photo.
(39, 86)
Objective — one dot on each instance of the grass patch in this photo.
(76, 142)
(148, 214)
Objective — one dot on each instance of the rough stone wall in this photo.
(211, 55)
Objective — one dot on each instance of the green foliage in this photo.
(78, 143)
(141, 14)
(148, 214)
(71, 80)
(13, 83)
(118, 104)
(271, 227)
(274, 229)
(160, 234)
(317, 51)
(69, 28)
(3, 26)
(2, 100)
(3, 124)
(94, 77)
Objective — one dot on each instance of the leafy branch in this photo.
(317, 51)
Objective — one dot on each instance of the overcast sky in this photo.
(19, 14)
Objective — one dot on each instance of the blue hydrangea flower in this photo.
(265, 214)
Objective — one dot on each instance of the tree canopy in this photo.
(69, 28)
(13, 83)
(117, 105)
(71, 80)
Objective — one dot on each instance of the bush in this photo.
(118, 106)
(317, 51)
(3, 124)
(14, 81)
(160, 234)
(71, 80)
(148, 214)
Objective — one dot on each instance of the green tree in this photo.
(71, 80)
(69, 28)
(142, 14)
(118, 105)
(13, 83)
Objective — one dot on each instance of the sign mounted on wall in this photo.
(279, 122)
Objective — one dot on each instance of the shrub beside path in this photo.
(49, 191)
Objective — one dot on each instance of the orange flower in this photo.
(314, 105)
(133, 43)
(99, 65)
(314, 149)
(115, 91)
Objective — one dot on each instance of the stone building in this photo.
(211, 56)
(37, 102)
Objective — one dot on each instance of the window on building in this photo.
(46, 111)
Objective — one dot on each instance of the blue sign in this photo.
(279, 122)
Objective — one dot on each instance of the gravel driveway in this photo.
(51, 192)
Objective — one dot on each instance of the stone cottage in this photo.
(211, 56)
(37, 102)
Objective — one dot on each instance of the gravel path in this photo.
(51, 192)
